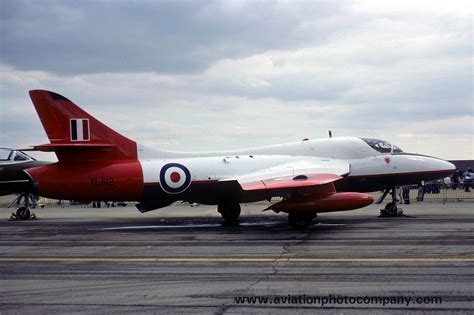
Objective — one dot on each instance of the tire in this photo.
(300, 221)
(391, 209)
(230, 212)
(23, 213)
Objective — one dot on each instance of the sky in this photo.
(223, 75)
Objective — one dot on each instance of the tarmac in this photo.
(182, 259)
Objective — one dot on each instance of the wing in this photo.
(299, 174)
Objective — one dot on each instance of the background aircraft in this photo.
(312, 176)
(14, 180)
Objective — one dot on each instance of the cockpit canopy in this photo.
(382, 146)
(9, 155)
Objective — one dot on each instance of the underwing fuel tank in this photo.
(329, 203)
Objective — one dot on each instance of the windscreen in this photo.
(381, 146)
(5, 154)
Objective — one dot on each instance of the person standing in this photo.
(467, 178)
(455, 180)
(406, 194)
(421, 192)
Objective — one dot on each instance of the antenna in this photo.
(330, 133)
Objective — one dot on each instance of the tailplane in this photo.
(75, 135)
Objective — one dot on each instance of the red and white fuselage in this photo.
(96, 163)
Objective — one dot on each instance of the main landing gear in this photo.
(300, 221)
(230, 212)
(391, 208)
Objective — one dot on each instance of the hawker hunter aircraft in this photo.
(311, 176)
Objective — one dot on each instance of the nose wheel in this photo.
(23, 202)
(391, 208)
(23, 213)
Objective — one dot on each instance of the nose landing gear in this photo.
(391, 208)
(23, 213)
(23, 210)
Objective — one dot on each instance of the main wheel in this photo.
(300, 221)
(391, 208)
(230, 212)
(23, 213)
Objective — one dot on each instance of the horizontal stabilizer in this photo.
(55, 147)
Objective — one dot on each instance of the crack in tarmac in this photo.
(274, 265)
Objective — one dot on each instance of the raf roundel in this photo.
(174, 178)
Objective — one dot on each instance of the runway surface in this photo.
(182, 259)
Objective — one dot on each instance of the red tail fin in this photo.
(75, 135)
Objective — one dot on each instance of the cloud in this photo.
(214, 75)
(163, 36)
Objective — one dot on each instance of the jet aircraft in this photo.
(310, 176)
(13, 179)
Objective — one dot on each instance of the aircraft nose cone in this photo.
(430, 163)
(427, 168)
(446, 166)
